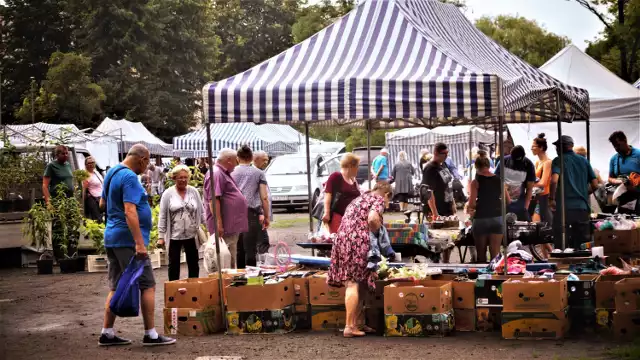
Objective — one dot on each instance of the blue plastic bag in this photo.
(126, 299)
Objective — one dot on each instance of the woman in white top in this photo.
(181, 214)
(92, 190)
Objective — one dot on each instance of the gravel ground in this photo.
(60, 316)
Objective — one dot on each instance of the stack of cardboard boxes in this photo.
(626, 319)
(618, 244)
(488, 296)
(192, 307)
(582, 302)
(421, 308)
(535, 308)
(606, 301)
(464, 301)
(327, 304)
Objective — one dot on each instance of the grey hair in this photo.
(139, 150)
(402, 156)
(259, 153)
(227, 153)
(180, 168)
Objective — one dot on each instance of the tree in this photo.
(312, 19)
(358, 138)
(30, 31)
(522, 37)
(621, 41)
(68, 95)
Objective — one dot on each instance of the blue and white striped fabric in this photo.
(637, 84)
(274, 139)
(403, 62)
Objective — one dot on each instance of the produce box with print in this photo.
(328, 317)
(249, 298)
(539, 295)
(465, 319)
(192, 322)
(419, 325)
(626, 325)
(420, 297)
(604, 320)
(627, 295)
(582, 293)
(535, 325)
(279, 321)
(488, 319)
(605, 290)
(320, 293)
(463, 291)
(192, 293)
(488, 289)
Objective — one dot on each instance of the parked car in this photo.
(287, 178)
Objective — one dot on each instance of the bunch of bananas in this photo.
(253, 324)
(413, 327)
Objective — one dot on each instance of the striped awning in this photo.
(637, 84)
(273, 138)
(402, 62)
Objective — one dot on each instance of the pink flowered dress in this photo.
(350, 248)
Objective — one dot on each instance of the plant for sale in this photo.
(94, 230)
(68, 220)
(37, 226)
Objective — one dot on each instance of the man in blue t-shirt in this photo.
(625, 162)
(380, 166)
(127, 235)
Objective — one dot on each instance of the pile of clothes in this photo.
(517, 260)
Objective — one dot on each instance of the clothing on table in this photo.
(379, 245)
(179, 218)
(439, 179)
(350, 249)
(191, 253)
(381, 161)
(489, 199)
(233, 204)
(402, 174)
(59, 174)
(577, 176)
(123, 187)
(517, 174)
(348, 192)
(248, 179)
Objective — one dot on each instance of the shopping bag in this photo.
(125, 301)
(210, 260)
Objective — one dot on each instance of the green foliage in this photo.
(312, 19)
(153, 235)
(36, 226)
(358, 138)
(523, 37)
(79, 176)
(67, 214)
(94, 230)
(18, 170)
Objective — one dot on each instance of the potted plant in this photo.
(68, 218)
(37, 227)
(19, 174)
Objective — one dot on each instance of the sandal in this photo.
(350, 332)
(367, 329)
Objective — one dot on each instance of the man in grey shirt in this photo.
(261, 161)
(253, 184)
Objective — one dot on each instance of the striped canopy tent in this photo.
(130, 133)
(273, 138)
(637, 84)
(403, 63)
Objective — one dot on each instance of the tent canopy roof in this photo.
(40, 133)
(397, 60)
(637, 84)
(572, 66)
(134, 133)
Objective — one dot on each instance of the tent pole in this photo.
(561, 199)
(214, 212)
(369, 153)
(503, 203)
(306, 135)
(588, 125)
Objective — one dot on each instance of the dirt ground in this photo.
(60, 316)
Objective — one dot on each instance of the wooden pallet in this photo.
(97, 263)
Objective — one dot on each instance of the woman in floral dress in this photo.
(350, 248)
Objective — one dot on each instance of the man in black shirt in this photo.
(438, 177)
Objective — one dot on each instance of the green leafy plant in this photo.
(18, 170)
(94, 230)
(80, 175)
(36, 226)
(197, 177)
(153, 235)
(68, 216)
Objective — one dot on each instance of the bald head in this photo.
(138, 150)
(260, 159)
(137, 158)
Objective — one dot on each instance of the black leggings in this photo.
(190, 250)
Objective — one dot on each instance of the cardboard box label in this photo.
(419, 325)
(261, 322)
(535, 325)
(328, 317)
(320, 293)
(535, 295)
(488, 319)
(192, 322)
(425, 297)
(489, 291)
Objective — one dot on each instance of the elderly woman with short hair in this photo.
(181, 214)
(402, 175)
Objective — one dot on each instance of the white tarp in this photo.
(615, 105)
(134, 133)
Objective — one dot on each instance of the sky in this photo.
(562, 17)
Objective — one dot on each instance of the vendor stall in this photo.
(131, 133)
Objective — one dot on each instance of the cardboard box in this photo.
(582, 319)
(626, 325)
(465, 319)
(320, 293)
(618, 241)
(489, 319)
(279, 321)
(489, 291)
(627, 295)
(419, 325)
(328, 317)
(250, 298)
(582, 293)
(605, 290)
(303, 317)
(375, 300)
(192, 293)
(301, 290)
(535, 325)
(540, 295)
(192, 322)
(421, 297)
(604, 319)
(463, 291)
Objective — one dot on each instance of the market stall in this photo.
(130, 133)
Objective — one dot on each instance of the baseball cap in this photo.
(566, 140)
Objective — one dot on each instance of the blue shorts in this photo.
(487, 226)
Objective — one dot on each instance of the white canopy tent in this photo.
(615, 105)
(130, 133)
